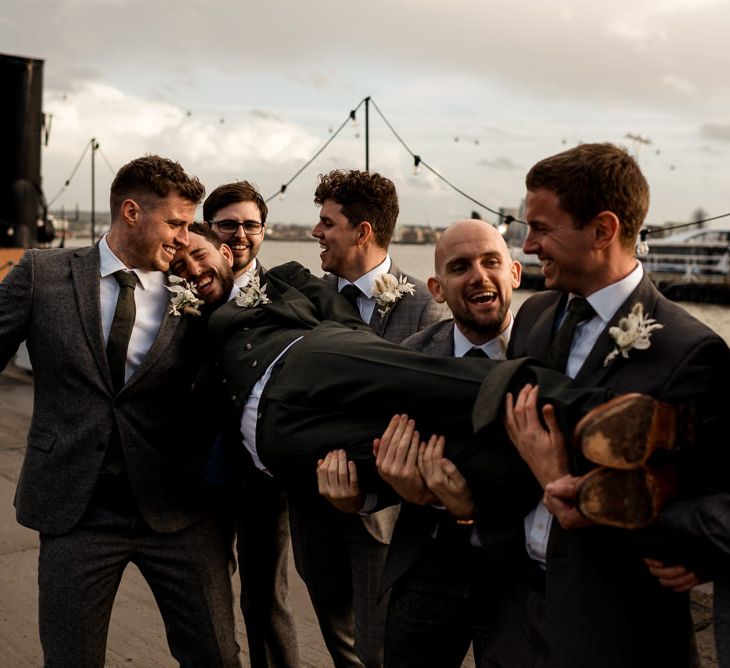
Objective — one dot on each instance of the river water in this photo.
(418, 260)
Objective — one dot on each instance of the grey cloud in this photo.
(499, 163)
(716, 131)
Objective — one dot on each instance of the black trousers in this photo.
(338, 388)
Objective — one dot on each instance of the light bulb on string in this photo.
(504, 225)
(416, 165)
(282, 192)
(642, 249)
(353, 118)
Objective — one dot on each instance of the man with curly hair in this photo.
(341, 557)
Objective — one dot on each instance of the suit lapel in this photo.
(378, 322)
(442, 342)
(593, 371)
(86, 276)
(165, 335)
(541, 333)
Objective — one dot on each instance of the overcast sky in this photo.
(252, 89)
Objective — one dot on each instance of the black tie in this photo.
(121, 329)
(579, 310)
(475, 352)
(351, 293)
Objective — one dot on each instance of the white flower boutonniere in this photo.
(253, 295)
(389, 289)
(633, 331)
(184, 298)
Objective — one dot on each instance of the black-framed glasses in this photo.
(250, 227)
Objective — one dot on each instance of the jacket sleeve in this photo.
(16, 295)
(330, 305)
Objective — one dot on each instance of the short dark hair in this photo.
(206, 232)
(231, 193)
(363, 196)
(591, 178)
(153, 177)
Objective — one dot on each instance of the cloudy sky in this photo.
(480, 89)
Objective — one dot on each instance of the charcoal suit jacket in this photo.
(603, 608)
(51, 299)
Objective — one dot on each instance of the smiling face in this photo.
(475, 276)
(148, 233)
(339, 251)
(245, 246)
(207, 266)
(566, 251)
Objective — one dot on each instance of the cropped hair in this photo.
(232, 193)
(152, 177)
(206, 232)
(363, 196)
(591, 178)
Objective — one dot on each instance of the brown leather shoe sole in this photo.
(629, 499)
(625, 431)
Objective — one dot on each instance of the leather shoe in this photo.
(629, 499)
(626, 431)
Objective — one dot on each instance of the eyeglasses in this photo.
(250, 227)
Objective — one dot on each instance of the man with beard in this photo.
(444, 594)
(236, 213)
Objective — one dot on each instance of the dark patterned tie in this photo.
(351, 293)
(475, 352)
(579, 310)
(121, 329)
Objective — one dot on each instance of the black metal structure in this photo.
(22, 204)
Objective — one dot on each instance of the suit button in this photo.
(254, 364)
(248, 346)
(233, 397)
(224, 381)
(259, 416)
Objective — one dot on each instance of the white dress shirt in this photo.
(605, 303)
(151, 299)
(242, 281)
(495, 348)
(366, 284)
(250, 415)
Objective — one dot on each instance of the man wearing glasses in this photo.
(236, 212)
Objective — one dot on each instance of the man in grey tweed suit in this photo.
(102, 481)
(341, 557)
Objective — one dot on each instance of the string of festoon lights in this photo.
(642, 246)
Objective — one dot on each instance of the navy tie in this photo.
(579, 310)
(351, 293)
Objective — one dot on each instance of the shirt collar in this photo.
(608, 300)
(495, 348)
(366, 282)
(109, 263)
